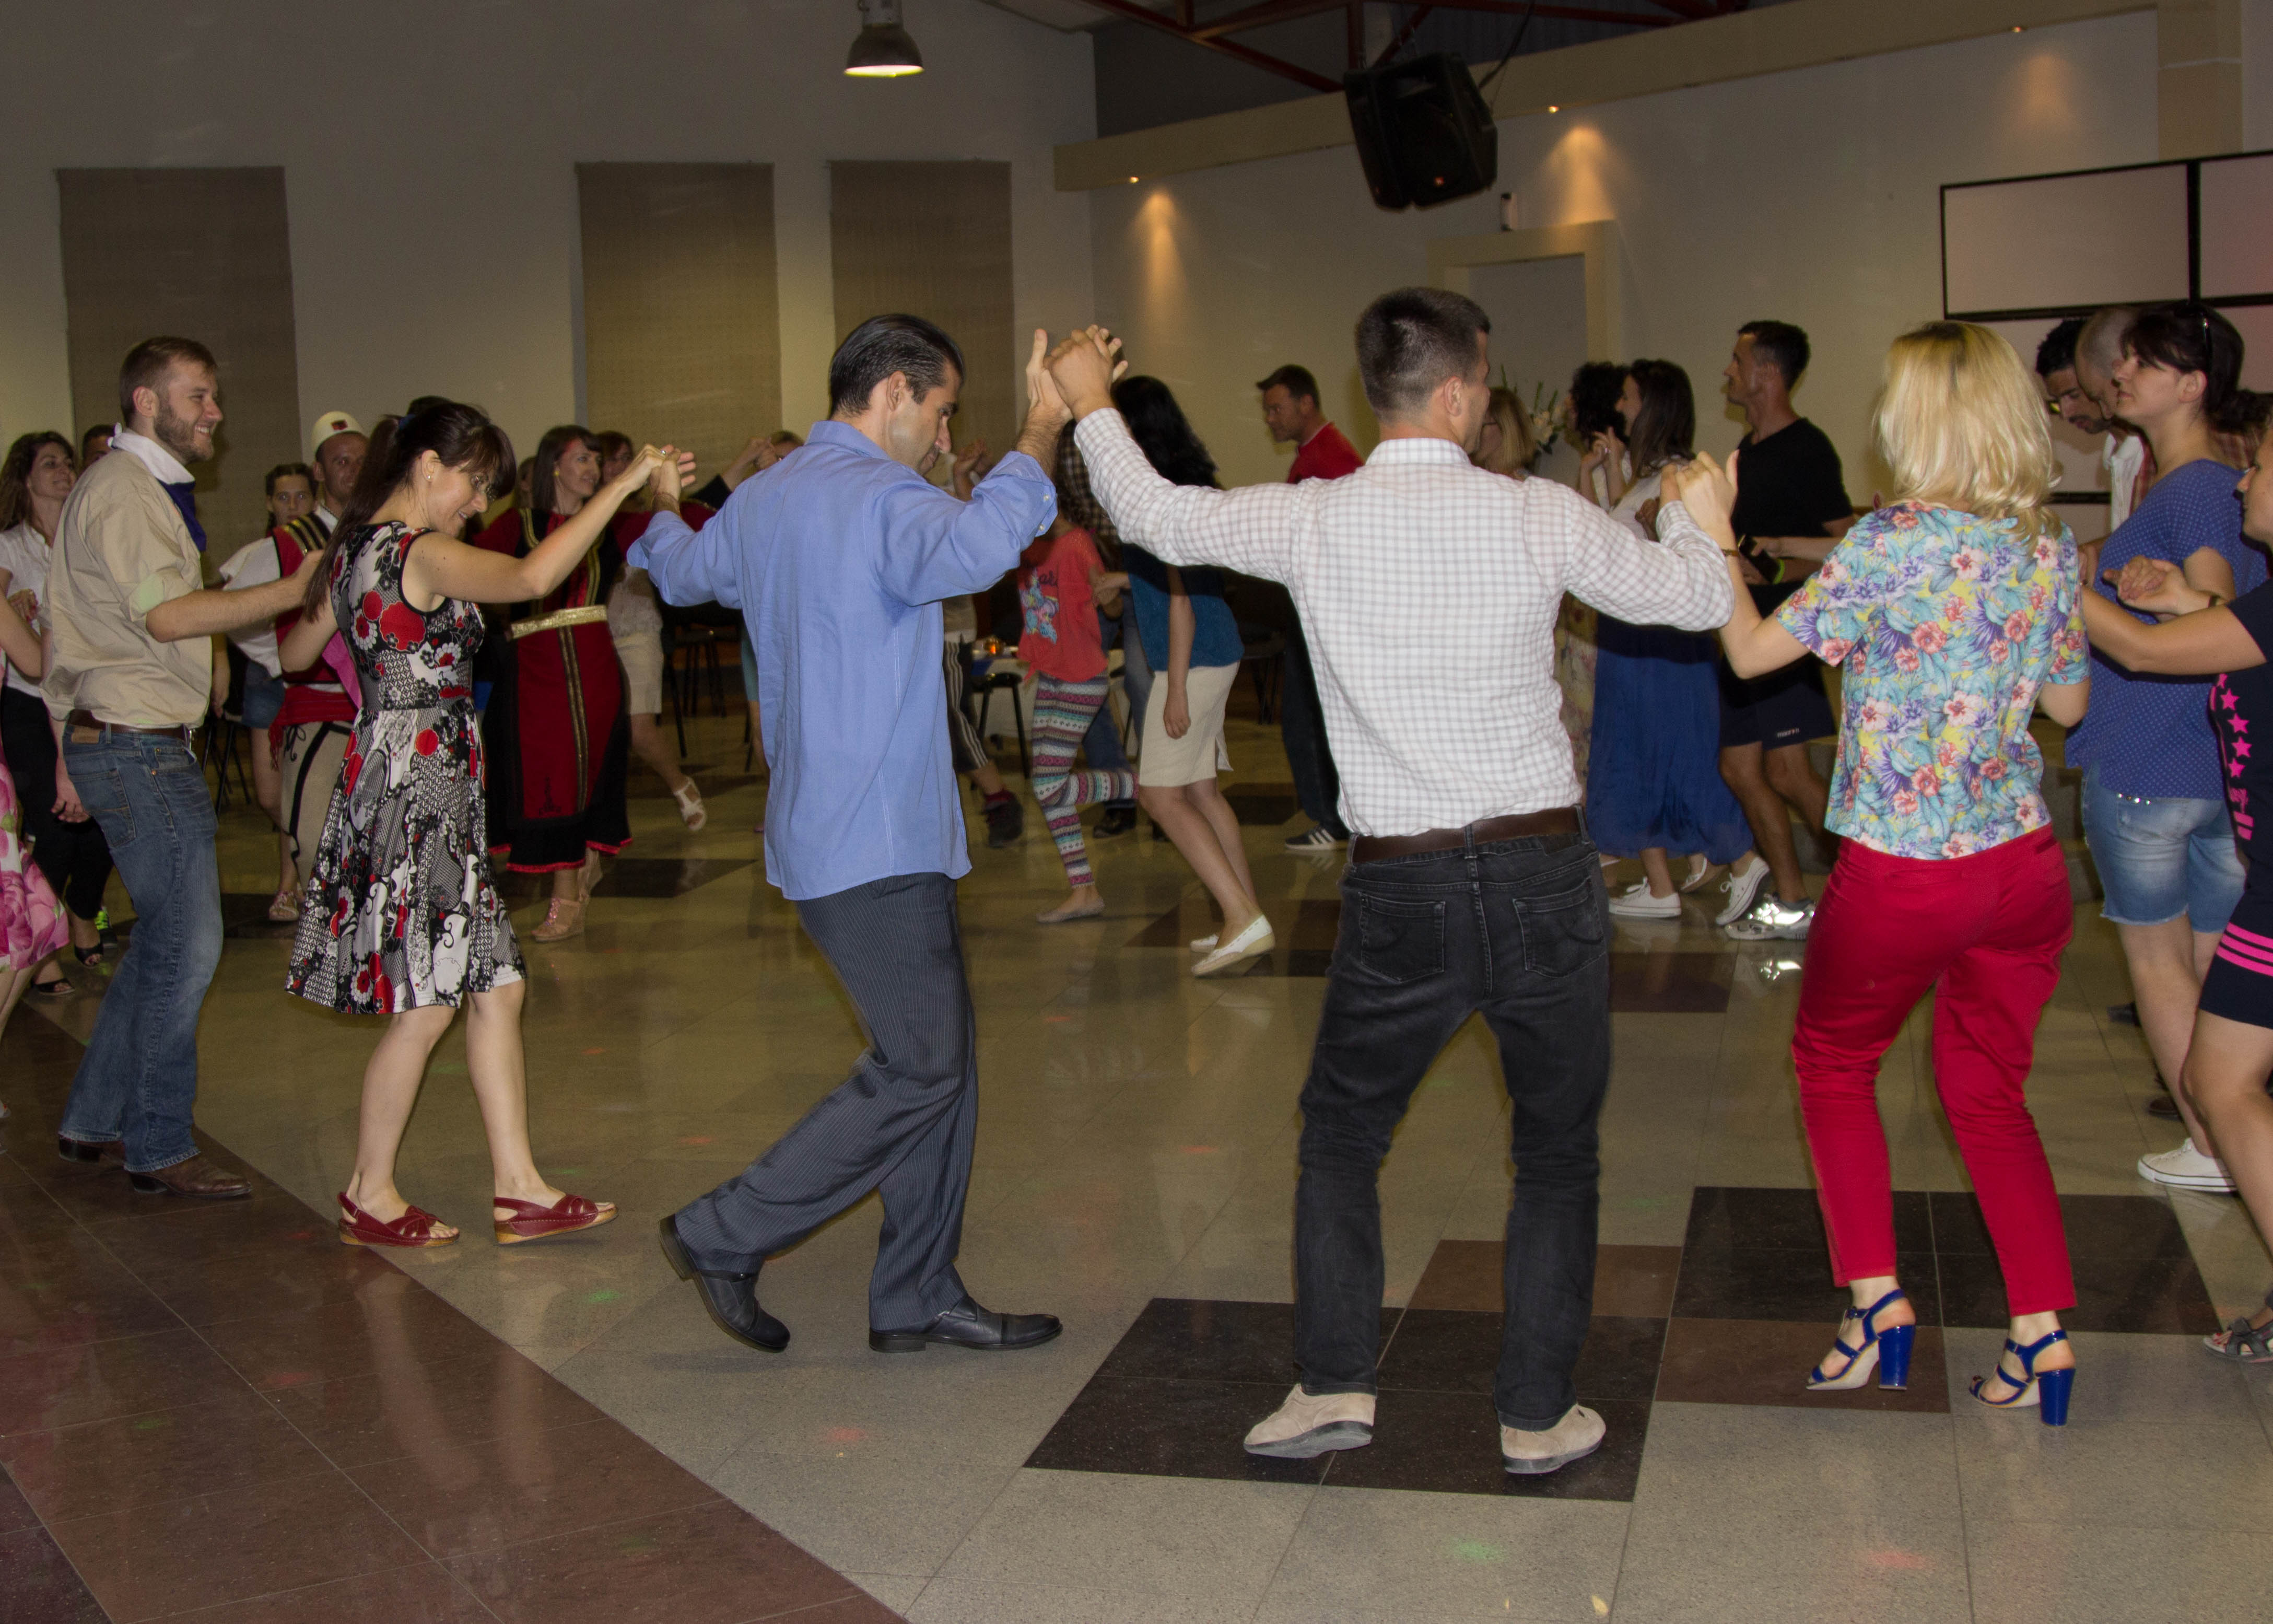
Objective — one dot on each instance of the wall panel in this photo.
(202, 254)
(682, 325)
(934, 240)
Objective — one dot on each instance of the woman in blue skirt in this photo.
(1653, 782)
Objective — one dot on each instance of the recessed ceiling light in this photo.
(1553, 109)
(882, 48)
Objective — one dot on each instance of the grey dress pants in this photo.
(902, 1124)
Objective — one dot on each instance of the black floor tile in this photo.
(1170, 1429)
(38, 1585)
(2097, 1227)
(1448, 1443)
(1264, 803)
(244, 918)
(1725, 1215)
(2160, 1295)
(1669, 983)
(1453, 1351)
(1757, 1283)
(1193, 1338)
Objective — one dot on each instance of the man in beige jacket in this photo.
(128, 672)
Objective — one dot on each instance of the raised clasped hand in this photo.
(1084, 366)
(1710, 494)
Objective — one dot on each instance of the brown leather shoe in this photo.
(197, 1179)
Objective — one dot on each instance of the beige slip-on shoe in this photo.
(1578, 1434)
(1310, 1424)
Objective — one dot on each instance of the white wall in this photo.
(429, 148)
(1810, 196)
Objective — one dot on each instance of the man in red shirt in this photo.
(1290, 407)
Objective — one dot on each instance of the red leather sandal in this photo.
(533, 1223)
(414, 1228)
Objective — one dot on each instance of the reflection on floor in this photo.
(222, 1413)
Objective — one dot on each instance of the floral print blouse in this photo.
(1944, 625)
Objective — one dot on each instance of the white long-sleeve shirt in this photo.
(1428, 590)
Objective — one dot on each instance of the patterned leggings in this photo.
(1062, 711)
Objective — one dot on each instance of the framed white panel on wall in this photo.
(2112, 236)
(2236, 213)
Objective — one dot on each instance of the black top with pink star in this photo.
(2241, 711)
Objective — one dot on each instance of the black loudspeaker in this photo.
(1423, 131)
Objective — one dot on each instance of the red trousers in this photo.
(1985, 933)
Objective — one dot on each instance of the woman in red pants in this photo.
(1952, 613)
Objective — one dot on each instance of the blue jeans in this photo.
(2169, 858)
(1520, 931)
(138, 1079)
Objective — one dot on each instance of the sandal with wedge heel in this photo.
(1885, 1351)
(2047, 1393)
(2243, 1342)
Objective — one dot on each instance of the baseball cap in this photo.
(330, 424)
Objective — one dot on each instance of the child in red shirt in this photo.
(1062, 585)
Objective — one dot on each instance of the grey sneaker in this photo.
(1773, 920)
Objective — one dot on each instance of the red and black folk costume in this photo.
(310, 734)
(557, 730)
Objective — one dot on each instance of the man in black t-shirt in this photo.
(1792, 505)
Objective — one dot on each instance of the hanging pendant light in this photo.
(882, 48)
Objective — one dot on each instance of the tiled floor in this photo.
(220, 1413)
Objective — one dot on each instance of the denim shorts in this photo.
(2161, 859)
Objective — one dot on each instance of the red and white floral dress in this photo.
(401, 912)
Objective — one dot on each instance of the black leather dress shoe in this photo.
(730, 1300)
(966, 1325)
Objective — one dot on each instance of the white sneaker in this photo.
(1773, 920)
(1309, 1424)
(2186, 1168)
(1743, 885)
(1578, 1434)
(1635, 902)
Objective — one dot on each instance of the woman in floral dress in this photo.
(400, 917)
(1953, 615)
(31, 925)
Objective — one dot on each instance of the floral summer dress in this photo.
(400, 913)
(31, 923)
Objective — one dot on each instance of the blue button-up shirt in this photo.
(838, 557)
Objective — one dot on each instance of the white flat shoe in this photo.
(1249, 944)
(1578, 1434)
(1205, 944)
(1309, 1424)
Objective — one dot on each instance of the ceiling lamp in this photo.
(882, 48)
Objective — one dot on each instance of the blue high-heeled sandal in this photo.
(1887, 1351)
(2050, 1391)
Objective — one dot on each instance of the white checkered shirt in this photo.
(1427, 590)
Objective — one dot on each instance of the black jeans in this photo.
(1302, 730)
(1518, 930)
(75, 857)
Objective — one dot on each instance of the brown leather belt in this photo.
(87, 718)
(1553, 821)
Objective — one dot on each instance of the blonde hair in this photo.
(1517, 449)
(1961, 422)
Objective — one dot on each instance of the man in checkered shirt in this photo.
(1427, 590)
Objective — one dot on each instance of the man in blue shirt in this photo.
(838, 557)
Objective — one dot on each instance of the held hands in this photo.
(68, 805)
(2156, 587)
(1083, 367)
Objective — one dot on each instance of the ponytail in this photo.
(461, 436)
